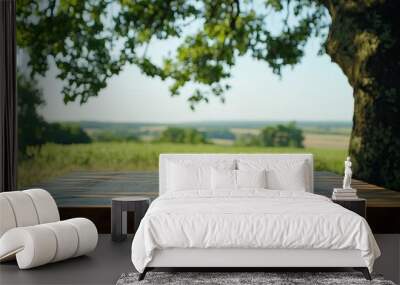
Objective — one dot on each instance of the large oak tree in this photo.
(91, 41)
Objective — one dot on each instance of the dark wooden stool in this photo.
(119, 208)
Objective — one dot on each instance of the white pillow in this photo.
(223, 179)
(187, 177)
(251, 178)
(193, 175)
(292, 179)
(282, 174)
(226, 179)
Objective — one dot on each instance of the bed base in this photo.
(363, 270)
(250, 259)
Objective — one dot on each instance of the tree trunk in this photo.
(364, 40)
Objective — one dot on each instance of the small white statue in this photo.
(347, 174)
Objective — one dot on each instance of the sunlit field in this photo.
(54, 160)
(330, 141)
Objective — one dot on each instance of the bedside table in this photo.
(358, 206)
(119, 208)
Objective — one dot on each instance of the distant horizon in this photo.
(204, 121)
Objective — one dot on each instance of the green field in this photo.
(54, 160)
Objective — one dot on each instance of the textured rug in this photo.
(244, 278)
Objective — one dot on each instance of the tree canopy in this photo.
(90, 41)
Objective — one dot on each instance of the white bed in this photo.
(249, 227)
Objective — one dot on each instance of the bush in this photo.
(183, 135)
(114, 136)
(282, 135)
(66, 134)
(224, 134)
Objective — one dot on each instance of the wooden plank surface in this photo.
(376, 196)
(97, 188)
(88, 194)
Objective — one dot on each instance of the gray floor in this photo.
(110, 259)
(103, 266)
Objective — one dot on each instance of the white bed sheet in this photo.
(250, 219)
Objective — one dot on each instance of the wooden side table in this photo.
(358, 206)
(119, 208)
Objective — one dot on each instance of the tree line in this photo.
(281, 135)
(288, 135)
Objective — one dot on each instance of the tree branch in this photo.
(235, 15)
(52, 5)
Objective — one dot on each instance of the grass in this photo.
(55, 160)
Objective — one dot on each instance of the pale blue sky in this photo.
(316, 89)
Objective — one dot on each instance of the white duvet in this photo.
(250, 219)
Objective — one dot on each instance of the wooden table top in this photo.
(376, 196)
(131, 199)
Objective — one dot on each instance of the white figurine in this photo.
(347, 174)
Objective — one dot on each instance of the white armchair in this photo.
(31, 230)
